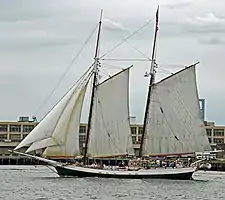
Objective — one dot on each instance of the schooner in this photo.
(172, 123)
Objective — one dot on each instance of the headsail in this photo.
(110, 132)
(174, 122)
(58, 132)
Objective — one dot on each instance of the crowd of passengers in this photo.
(141, 164)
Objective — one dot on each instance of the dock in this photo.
(217, 165)
(18, 160)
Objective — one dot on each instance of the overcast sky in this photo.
(38, 40)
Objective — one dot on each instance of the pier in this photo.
(217, 165)
(18, 160)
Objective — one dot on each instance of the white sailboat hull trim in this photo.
(159, 173)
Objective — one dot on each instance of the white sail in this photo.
(67, 129)
(42, 144)
(59, 130)
(174, 122)
(110, 129)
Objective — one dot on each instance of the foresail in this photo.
(60, 127)
(174, 123)
(67, 130)
(110, 129)
(42, 144)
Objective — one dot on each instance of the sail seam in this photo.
(105, 126)
(167, 121)
(69, 120)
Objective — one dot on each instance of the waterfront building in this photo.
(11, 133)
(202, 108)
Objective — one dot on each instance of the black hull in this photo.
(75, 173)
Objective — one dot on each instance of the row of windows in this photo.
(216, 132)
(134, 130)
(216, 140)
(17, 138)
(12, 137)
(82, 129)
(3, 128)
(16, 128)
(27, 128)
(3, 137)
(134, 139)
(82, 138)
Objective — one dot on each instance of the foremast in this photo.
(95, 72)
(151, 82)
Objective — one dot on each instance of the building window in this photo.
(3, 137)
(218, 140)
(3, 128)
(134, 139)
(82, 129)
(209, 132)
(15, 128)
(15, 137)
(82, 138)
(136, 152)
(133, 130)
(28, 128)
(139, 138)
(210, 140)
(218, 132)
(140, 130)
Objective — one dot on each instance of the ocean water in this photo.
(40, 183)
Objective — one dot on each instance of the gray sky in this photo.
(38, 40)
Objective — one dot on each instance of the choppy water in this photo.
(40, 183)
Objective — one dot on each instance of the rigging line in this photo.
(83, 85)
(103, 71)
(170, 65)
(66, 71)
(79, 81)
(165, 71)
(106, 65)
(139, 51)
(128, 37)
(86, 79)
(126, 59)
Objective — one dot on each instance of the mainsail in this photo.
(110, 126)
(58, 132)
(174, 123)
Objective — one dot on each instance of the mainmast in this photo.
(151, 82)
(96, 64)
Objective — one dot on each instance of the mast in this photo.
(96, 64)
(151, 82)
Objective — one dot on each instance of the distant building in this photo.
(11, 133)
(202, 108)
